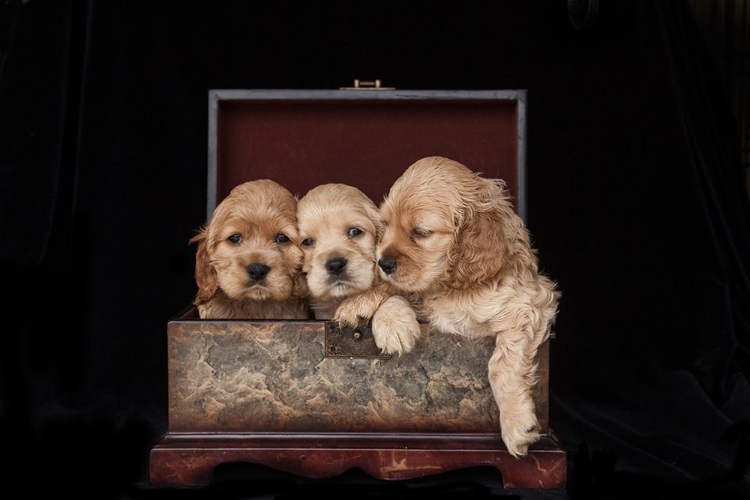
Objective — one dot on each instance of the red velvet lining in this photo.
(364, 143)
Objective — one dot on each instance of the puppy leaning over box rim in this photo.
(452, 238)
(339, 227)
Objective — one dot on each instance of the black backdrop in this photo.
(636, 203)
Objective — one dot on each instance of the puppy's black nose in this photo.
(387, 264)
(257, 272)
(336, 266)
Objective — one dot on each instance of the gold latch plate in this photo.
(355, 342)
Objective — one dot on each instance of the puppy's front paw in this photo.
(519, 430)
(395, 326)
(357, 310)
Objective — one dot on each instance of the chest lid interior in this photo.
(365, 138)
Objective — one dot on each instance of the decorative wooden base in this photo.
(189, 459)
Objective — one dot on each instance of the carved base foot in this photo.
(189, 460)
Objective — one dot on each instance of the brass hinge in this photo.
(367, 85)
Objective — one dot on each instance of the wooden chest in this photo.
(304, 396)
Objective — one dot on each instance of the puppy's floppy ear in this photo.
(299, 277)
(301, 290)
(374, 214)
(478, 251)
(205, 274)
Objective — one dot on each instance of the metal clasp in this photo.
(351, 342)
(367, 85)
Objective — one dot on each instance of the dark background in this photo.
(636, 202)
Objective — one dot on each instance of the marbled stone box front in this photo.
(280, 376)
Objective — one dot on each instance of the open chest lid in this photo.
(362, 137)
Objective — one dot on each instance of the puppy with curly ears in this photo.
(339, 227)
(453, 238)
(248, 262)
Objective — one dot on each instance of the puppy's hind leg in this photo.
(395, 326)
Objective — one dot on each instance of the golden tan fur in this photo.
(247, 264)
(453, 238)
(339, 228)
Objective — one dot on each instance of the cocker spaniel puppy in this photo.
(339, 227)
(248, 262)
(453, 238)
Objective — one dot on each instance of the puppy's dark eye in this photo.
(282, 238)
(235, 238)
(420, 233)
(308, 242)
(354, 232)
